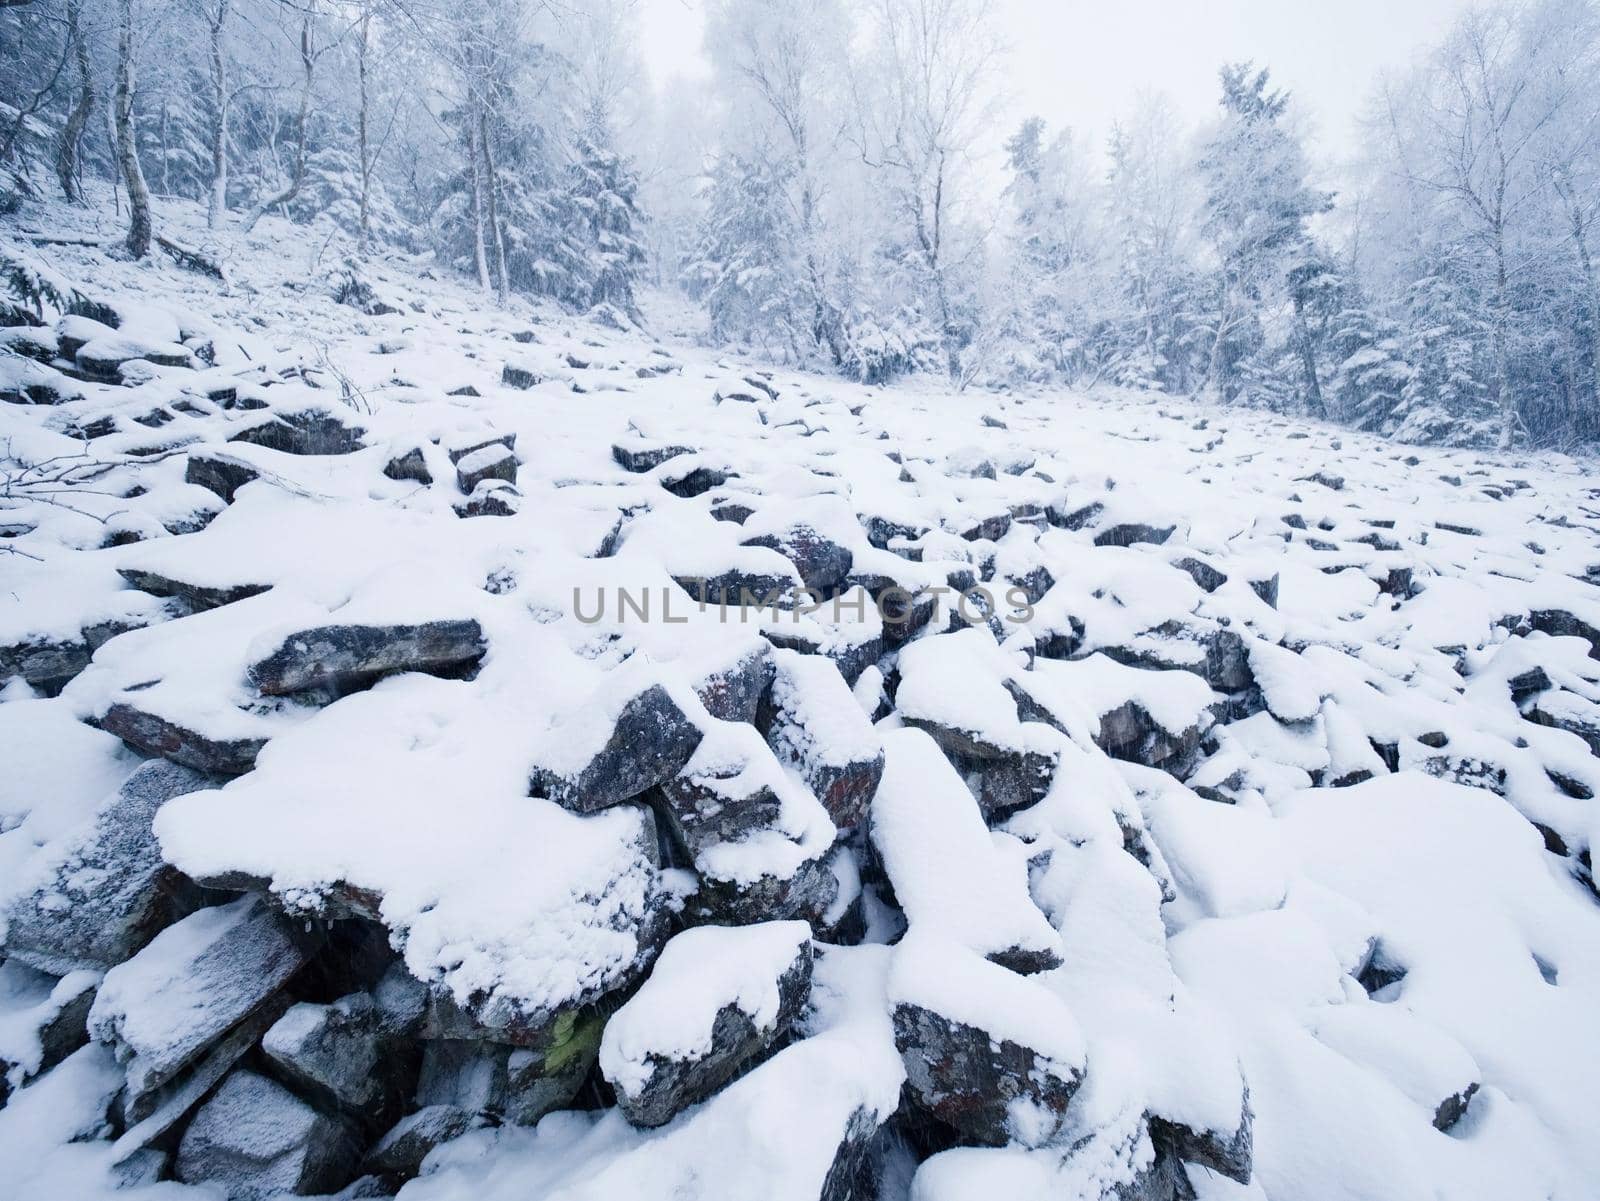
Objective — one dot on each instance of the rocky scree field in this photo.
(1149, 801)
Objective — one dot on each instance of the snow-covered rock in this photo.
(256, 1139)
(716, 999)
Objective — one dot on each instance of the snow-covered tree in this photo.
(1257, 205)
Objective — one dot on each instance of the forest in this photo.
(838, 193)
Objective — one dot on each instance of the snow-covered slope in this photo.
(1181, 802)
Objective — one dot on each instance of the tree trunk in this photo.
(1498, 349)
(502, 283)
(139, 225)
(363, 45)
(308, 61)
(1308, 362)
(72, 132)
(1213, 373)
(475, 165)
(217, 204)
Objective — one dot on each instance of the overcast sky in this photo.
(1081, 62)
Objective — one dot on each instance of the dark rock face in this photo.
(59, 1012)
(962, 1076)
(802, 698)
(1010, 783)
(806, 894)
(49, 664)
(717, 804)
(735, 693)
(1130, 532)
(1267, 589)
(696, 482)
(522, 378)
(400, 1152)
(467, 445)
(740, 588)
(1207, 577)
(342, 657)
(115, 893)
(641, 456)
(493, 462)
(257, 1139)
(821, 562)
(737, 1044)
(1564, 623)
(651, 740)
(221, 473)
(514, 1085)
(309, 432)
(1586, 725)
(155, 735)
(341, 1055)
(1129, 732)
(493, 498)
(409, 466)
(851, 658)
(199, 596)
(1230, 1155)
(1454, 1107)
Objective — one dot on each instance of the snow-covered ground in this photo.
(1231, 834)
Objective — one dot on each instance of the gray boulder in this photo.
(306, 432)
(514, 1085)
(113, 892)
(221, 473)
(667, 1049)
(1229, 1153)
(157, 735)
(194, 982)
(346, 656)
(650, 740)
(640, 454)
(341, 1055)
(199, 596)
(734, 692)
(809, 696)
(400, 1152)
(255, 1139)
(988, 1053)
(412, 465)
(821, 562)
(493, 462)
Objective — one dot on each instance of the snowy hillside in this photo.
(1113, 797)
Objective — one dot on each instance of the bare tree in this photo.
(788, 57)
(78, 118)
(309, 53)
(1482, 125)
(140, 228)
(935, 60)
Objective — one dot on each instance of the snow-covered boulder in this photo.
(341, 1054)
(951, 876)
(42, 1020)
(990, 1053)
(717, 998)
(630, 739)
(813, 724)
(344, 656)
(256, 1140)
(109, 892)
(196, 980)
